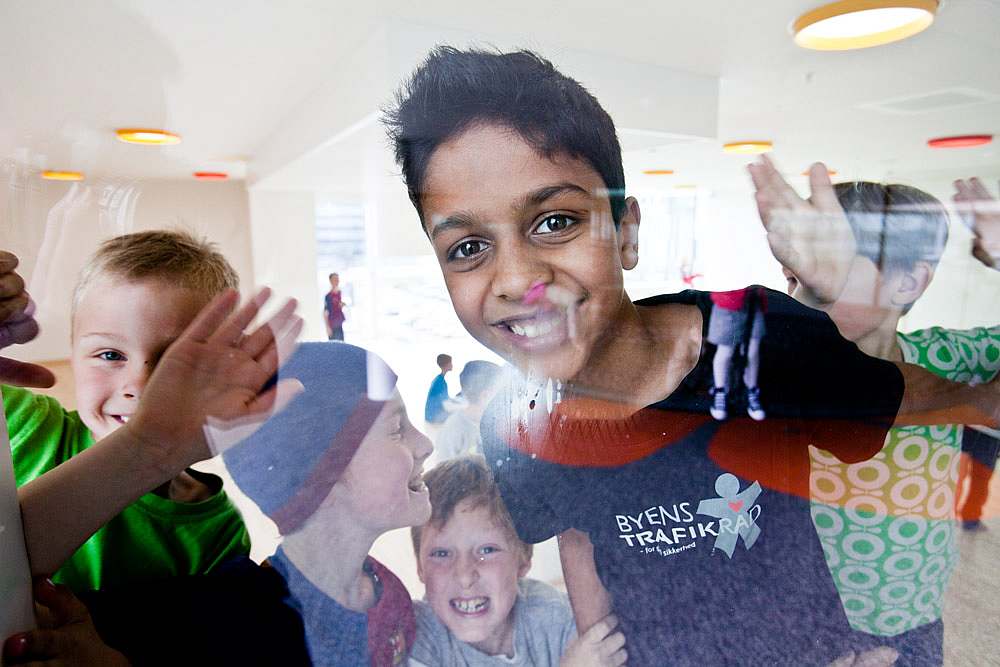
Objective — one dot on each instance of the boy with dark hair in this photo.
(435, 411)
(698, 533)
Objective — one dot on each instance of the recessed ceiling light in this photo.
(859, 24)
(747, 147)
(658, 172)
(147, 137)
(211, 175)
(51, 175)
(962, 141)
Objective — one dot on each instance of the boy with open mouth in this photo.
(697, 533)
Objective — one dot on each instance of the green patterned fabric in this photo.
(887, 524)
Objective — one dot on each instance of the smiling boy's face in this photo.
(121, 328)
(502, 219)
(471, 567)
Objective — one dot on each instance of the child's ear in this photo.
(420, 570)
(524, 567)
(913, 284)
(628, 234)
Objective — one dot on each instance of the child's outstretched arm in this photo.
(813, 239)
(590, 600)
(211, 375)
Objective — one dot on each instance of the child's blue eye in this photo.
(555, 223)
(488, 550)
(467, 249)
(110, 355)
(439, 553)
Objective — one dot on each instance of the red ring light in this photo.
(962, 141)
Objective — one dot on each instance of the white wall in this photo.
(54, 227)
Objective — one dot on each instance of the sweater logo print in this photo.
(666, 531)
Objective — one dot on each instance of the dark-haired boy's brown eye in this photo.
(467, 249)
(554, 223)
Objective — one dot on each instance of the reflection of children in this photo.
(516, 174)
(727, 329)
(333, 310)
(435, 411)
(460, 433)
(899, 233)
(339, 467)
(479, 609)
(134, 297)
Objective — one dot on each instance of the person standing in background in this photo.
(435, 411)
(333, 310)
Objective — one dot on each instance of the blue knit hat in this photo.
(289, 465)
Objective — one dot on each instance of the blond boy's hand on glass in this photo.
(205, 394)
(600, 646)
(18, 325)
(980, 211)
(810, 237)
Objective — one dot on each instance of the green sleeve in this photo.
(42, 433)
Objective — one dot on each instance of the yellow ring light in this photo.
(860, 24)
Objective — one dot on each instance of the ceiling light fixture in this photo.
(147, 137)
(658, 172)
(829, 172)
(961, 141)
(51, 175)
(211, 175)
(859, 24)
(747, 147)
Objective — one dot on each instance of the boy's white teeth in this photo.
(533, 329)
(124, 418)
(471, 605)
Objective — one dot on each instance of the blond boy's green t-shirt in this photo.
(151, 539)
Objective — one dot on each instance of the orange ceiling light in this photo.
(961, 141)
(52, 175)
(748, 147)
(211, 175)
(658, 172)
(147, 137)
(829, 172)
(860, 24)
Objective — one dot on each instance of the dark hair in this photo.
(477, 377)
(465, 478)
(453, 90)
(443, 359)
(895, 226)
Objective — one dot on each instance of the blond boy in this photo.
(479, 608)
(133, 299)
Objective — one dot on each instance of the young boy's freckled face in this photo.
(501, 218)
(120, 331)
(383, 481)
(471, 567)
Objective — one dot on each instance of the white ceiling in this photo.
(226, 74)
